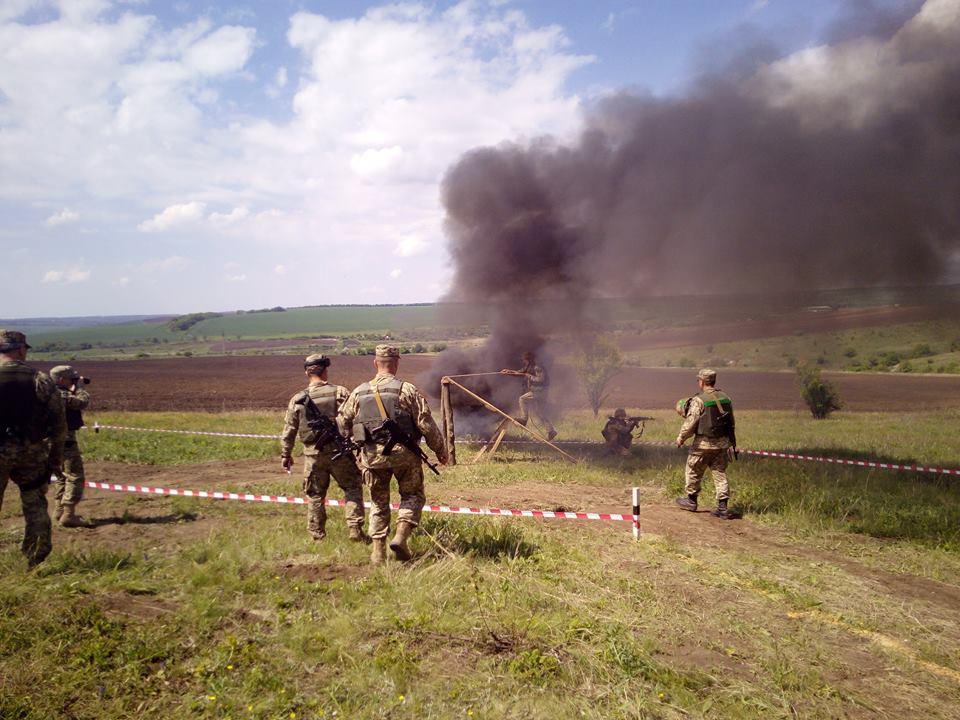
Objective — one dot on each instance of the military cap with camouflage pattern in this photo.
(316, 360)
(387, 351)
(707, 374)
(12, 340)
(65, 372)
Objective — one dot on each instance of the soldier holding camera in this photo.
(70, 482)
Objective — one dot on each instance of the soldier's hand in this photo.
(287, 462)
(679, 442)
(505, 371)
(443, 460)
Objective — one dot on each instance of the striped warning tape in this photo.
(876, 464)
(287, 500)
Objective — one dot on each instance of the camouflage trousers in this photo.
(534, 404)
(412, 498)
(698, 461)
(27, 466)
(317, 471)
(69, 488)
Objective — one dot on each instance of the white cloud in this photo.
(67, 276)
(122, 282)
(375, 160)
(62, 218)
(395, 273)
(225, 219)
(173, 216)
(280, 270)
(237, 278)
(225, 50)
(410, 245)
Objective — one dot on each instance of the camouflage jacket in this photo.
(55, 421)
(295, 423)
(411, 400)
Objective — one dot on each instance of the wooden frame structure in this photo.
(490, 447)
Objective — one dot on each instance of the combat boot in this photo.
(722, 511)
(399, 542)
(358, 535)
(318, 534)
(378, 554)
(689, 502)
(70, 519)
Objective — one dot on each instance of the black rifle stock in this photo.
(394, 435)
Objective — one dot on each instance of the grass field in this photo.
(838, 595)
(932, 346)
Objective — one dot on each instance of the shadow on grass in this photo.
(476, 538)
(129, 519)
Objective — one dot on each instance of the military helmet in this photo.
(63, 372)
(683, 406)
(619, 413)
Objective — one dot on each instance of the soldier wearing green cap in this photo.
(32, 432)
(70, 483)
(318, 463)
(388, 397)
(709, 420)
(618, 432)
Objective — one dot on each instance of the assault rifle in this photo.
(326, 430)
(392, 435)
(637, 419)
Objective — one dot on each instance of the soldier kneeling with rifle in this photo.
(618, 432)
(312, 414)
(388, 417)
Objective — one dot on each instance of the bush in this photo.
(438, 347)
(921, 350)
(819, 394)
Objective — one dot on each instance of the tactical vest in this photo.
(74, 417)
(533, 384)
(22, 415)
(717, 418)
(325, 398)
(369, 416)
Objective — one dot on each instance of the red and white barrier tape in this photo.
(97, 427)
(659, 443)
(286, 500)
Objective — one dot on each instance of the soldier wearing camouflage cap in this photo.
(69, 484)
(709, 420)
(387, 397)
(32, 433)
(618, 432)
(318, 463)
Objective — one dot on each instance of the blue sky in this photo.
(177, 156)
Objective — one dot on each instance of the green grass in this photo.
(217, 610)
(872, 349)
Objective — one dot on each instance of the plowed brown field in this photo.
(217, 384)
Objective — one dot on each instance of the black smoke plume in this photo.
(838, 166)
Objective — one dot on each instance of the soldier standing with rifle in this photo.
(709, 418)
(323, 455)
(388, 416)
(71, 482)
(32, 431)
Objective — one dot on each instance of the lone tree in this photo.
(819, 394)
(599, 360)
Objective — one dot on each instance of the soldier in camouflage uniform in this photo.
(709, 419)
(367, 407)
(318, 463)
(618, 432)
(32, 432)
(70, 483)
(536, 383)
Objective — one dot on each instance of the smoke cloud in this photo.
(837, 166)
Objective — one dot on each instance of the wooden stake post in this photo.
(446, 413)
(501, 429)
